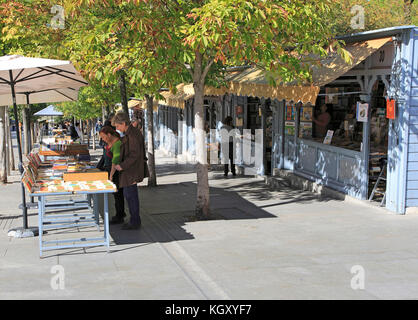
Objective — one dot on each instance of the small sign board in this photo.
(390, 109)
(328, 137)
(362, 112)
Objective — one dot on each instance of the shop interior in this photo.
(342, 126)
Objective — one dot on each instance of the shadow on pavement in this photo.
(167, 208)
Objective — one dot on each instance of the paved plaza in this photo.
(261, 244)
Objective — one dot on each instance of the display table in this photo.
(54, 221)
(54, 194)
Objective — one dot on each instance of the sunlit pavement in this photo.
(259, 244)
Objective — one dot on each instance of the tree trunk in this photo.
(104, 116)
(9, 139)
(32, 134)
(202, 202)
(122, 87)
(3, 157)
(81, 132)
(93, 133)
(152, 179)
(407, 10)
(88, 128)
(25, 131)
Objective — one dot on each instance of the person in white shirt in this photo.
(228, 126)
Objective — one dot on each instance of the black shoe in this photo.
(225, 175)
(128, 226)
(117, 220)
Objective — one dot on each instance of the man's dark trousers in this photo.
(131, 195)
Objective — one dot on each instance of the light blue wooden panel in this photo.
(412, 176)
(415, 58)
(326, 164)
(412, 185)
(413, 132)
(413, 111)
(413, 137)
(414, 101)
(414, 92)
(412, 157)
(413, 147)
(413, 120)
(306, 158)
(414, 82)
(412, 203)
(350, 171)
(289, 148)
(412, 194)
(413, 165)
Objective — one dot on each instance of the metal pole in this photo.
(19, 149)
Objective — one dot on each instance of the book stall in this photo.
(63, 185)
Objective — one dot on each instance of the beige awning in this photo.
(134, 103)
(253, 81)
(142, 104)
(334, 66)
(176, 99)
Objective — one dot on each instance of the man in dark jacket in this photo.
(132, 167)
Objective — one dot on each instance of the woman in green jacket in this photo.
(112, 149)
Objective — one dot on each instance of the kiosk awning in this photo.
(253, 81)
(334, 66)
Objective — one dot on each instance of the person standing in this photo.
(132, 166)
(228, 127)
(322, 122)
(111, 157)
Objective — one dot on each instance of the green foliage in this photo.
(378, 14)
(90, 102)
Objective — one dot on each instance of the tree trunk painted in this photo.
(3, 139)
(202, 201)
(152, 179)
(122, 87)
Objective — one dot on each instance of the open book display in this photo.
(63, 149)
(38, 179)
(54, 186)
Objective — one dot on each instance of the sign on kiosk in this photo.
(390, 109)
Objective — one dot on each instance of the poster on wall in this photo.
(305, 130)
(362, 112)
(289, 127)
(290, 112)
(306, 113)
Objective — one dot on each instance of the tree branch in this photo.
(206, 70)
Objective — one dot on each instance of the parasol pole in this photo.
(25, 231)
(19, 150)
